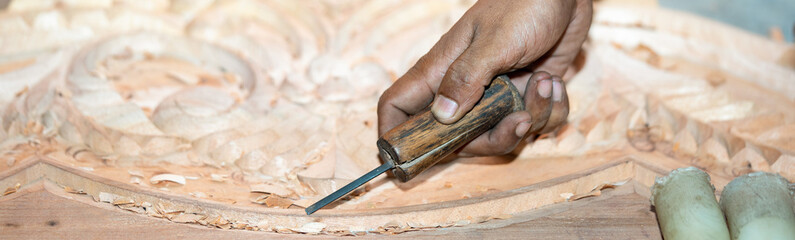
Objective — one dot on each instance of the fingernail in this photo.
(545, 88)
(557, 91)
(522, 128)
(444, 108)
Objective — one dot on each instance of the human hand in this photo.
(494, 37)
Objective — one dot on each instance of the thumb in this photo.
(465, 81)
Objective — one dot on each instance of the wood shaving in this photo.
(276, 201)
(136, 180)
(167, 177)
(152, 212)
(133, 208)
(136, 173)
(74, 191)
(218, 178)
(107, 197)
(89, 169)
(13, 189)
(218, 221)
(566, 195)
(239, 225)
(312, 228)
(271, 189)
(123, 201)
(596, 191)
(166, 208)
(462, 222)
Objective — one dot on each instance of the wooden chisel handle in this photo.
(419, 143)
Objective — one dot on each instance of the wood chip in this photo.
(596, 191)
(136, 173)
(152, 212)
(136, 180)
(219, 221)
(166, 208)
(462, 222)
(276, 201)
(239, 225)
(218, 178)
(13, 189)
(167, 177)
(133, 208)
(567, 195)
(312, 228)
(123, 201)
(107, 197)
(74, 191)
(271, 189)
(88, 169)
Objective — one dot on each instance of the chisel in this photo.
(419, 143)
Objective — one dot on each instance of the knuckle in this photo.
(384, 99)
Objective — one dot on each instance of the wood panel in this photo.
(209, 116)
(43, 211)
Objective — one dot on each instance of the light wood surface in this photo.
(265, 112)
(43, 211)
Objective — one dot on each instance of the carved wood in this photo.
(236, 114)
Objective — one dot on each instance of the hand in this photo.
(494, 37)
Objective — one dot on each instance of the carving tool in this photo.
(419, 143)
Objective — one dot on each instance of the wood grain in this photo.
(44, 211)
(651, 94)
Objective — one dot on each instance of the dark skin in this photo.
(536, 40)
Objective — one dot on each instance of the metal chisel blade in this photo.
(349, 188)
